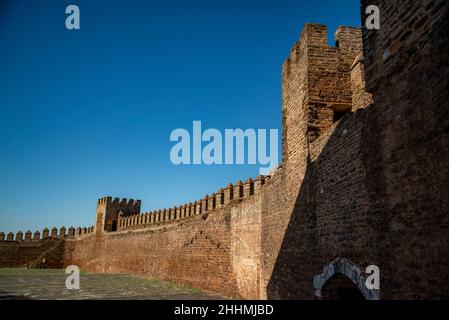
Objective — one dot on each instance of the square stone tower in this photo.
(316, 92)
(108, 211)
(316, 85)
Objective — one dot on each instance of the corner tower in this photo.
(108, 211)
(316, 87)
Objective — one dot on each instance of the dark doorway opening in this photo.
(340, 287)
(114, 225)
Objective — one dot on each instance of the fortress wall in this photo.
(280, 192)
(216, 251)
(340, 201)
(231, 194)
(28, 249)
(21, 253)
(330, 218)
(194, 252)
(316, 84)
(246, 242)
(343, 225)
(371, 187)
(375, 186)
(407, 73)
(275, 218)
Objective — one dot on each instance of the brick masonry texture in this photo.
(364, 181)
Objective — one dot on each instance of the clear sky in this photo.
(88, 113)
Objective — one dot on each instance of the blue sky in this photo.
(88, 113)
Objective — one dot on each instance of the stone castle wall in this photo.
(364, 179)
(408, 74)
(372, 187)
(216, 250)
(28, 249)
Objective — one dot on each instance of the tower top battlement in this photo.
(316, 86)
(108, 201)
(108, 209)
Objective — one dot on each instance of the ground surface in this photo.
(50, 284)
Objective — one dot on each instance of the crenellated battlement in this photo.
(53, 233)
(337, 201)
(230, 195)
(108, 210)
(125, 203)
(345, 162)
(316, 85)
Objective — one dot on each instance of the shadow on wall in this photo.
(376, 192)
(373, 204)
(335, 213)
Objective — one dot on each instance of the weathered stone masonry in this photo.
(364, 180)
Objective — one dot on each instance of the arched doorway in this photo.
(343, 280)
(114, 225)
(340, 287)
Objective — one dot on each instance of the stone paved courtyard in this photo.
(50, 284)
